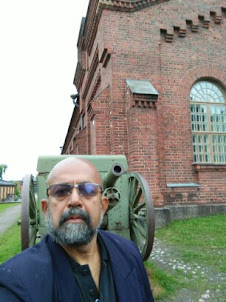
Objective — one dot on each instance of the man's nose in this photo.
(74, 198)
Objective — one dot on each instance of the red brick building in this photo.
(151, 81)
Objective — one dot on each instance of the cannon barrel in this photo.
(112, 175)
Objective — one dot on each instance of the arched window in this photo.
(208, 122)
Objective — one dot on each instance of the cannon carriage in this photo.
(130, 212)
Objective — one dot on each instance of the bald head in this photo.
(77, 168)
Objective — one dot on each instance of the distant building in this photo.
(7, 190)
(151, 84)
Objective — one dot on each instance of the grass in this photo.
(199, 241)
(162, 284)
(4, 206)
(10, 243)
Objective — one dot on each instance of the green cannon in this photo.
(130, 213)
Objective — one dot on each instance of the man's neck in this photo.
(87, 254)
(84, 254)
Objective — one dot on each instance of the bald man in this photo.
(76, 261)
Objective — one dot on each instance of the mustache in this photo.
(72, 212)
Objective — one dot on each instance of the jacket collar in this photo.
(116, 254)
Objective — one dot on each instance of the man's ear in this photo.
(105, 203)
(44, 204)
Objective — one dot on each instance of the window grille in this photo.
(208, 123)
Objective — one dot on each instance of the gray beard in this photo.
(71, 234)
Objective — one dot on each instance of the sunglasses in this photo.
(86, 190)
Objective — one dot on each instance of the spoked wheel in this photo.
(142, 220)
(29, 222)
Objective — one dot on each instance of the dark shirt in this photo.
(86, 284)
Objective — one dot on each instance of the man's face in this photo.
(71, 234)
(74, 219)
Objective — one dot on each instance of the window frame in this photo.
(204, 129)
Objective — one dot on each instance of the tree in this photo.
(17, 190)
(3, 168)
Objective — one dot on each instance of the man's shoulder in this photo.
(32, 263)
(118, 243)
(115, 237)
(28, 273)
(127, 268)
(30, 256)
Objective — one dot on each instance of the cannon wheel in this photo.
(142, 220)
(29, 222)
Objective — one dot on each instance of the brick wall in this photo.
(172, 44)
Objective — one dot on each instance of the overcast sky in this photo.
(38, 57)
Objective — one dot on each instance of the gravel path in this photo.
(213, 281)
(9, 217)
